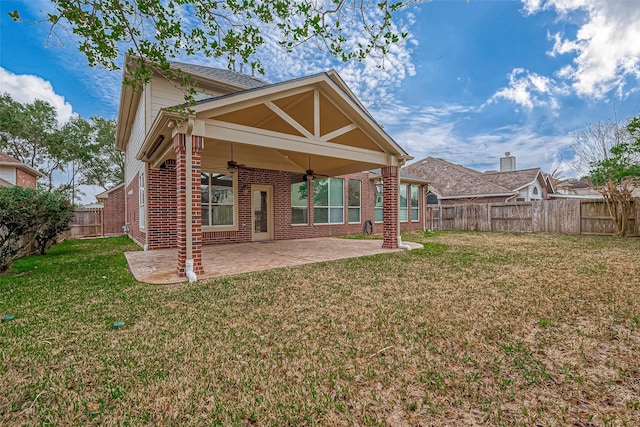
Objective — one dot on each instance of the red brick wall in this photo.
(132, 212)
(283, 230)
(161, 191)
(113, 212)
(23, 179)
(181, 146)
(390, 206)
(161, 197)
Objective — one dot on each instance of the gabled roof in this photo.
(291, 125)
(105, 194)
(7, 160)
(513, 180)
(451, 181)
(226, 80)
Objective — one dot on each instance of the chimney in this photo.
(507, 163)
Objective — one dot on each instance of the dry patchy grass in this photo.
(476, 329)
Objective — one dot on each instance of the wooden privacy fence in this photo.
(571, 216)
(86, 222)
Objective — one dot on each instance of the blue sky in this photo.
(475, 78)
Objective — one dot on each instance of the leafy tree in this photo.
(84, 151)
(24, 212)
(26, 133)
(17, 217)
(105, 166)
(594, 142)
(154, 31)
(53, 217)
(617, 174)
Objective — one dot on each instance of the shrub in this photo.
(24, 211)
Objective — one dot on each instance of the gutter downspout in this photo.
(399, 238)
(189, 195)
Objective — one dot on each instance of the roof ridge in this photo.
(4, 157)
(517, 170)
(193, 69)
(474, 173)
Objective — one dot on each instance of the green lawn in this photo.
(476, 329)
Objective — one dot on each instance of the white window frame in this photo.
(403, 209)
(299, 206)
(378, 203)
(226, 227)
(329, 205)
(359, 205)
(414, 189)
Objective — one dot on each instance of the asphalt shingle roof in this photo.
(5, 158)
(514, 179)
(451, 180)
(228, 76)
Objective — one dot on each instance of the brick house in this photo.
(256, 161)
(14, 172)
(453, 184)
(113, 210)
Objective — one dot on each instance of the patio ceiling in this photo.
(310, 123)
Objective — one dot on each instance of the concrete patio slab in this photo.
(158, 266)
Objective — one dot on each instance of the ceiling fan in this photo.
(309, 174)
(232, 165)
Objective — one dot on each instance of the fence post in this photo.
(636, 219)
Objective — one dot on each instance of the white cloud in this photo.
(606, 45)
(437, 132)
(25, 89)
(373, 80)
(528, 89)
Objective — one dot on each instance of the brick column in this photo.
(390, 206)
(181, 201)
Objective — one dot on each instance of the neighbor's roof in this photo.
(451, 180)
(7, 160)
(513, 180)
(105, 194)
(5, 183)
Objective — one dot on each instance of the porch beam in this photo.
(338, 132)
(248, 135)
(316, 113)
(287, 118)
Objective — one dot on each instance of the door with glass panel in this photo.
(262, 212)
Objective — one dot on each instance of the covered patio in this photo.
(158, 267)
(229, 169)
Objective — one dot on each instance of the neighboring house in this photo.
(581, 189)
(575, 189)
(455, 184)
(113, 210)
(14, 172)
(253, 161)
